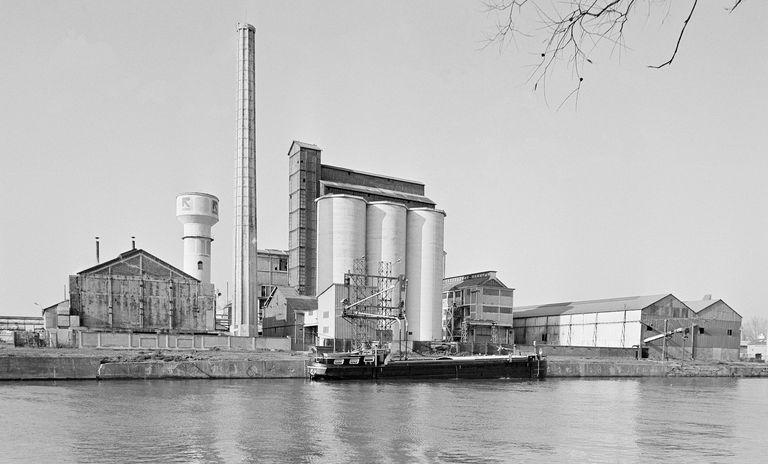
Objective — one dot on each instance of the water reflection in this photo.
(610, 420)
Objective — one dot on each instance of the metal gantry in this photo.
(448, 321)
(375, 303)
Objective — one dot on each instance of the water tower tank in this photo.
(424, 271)
(340, 237)
(198, 212)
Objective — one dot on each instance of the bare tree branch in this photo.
(572, 30)
(679, 38)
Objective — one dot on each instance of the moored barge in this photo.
(378, 365)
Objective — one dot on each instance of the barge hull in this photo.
(529, 367)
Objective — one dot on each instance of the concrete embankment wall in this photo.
(647, 368)
(48, 368)
(588, 368)
(91, 368)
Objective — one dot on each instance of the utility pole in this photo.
(693, 339)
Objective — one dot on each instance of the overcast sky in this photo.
(655, 183)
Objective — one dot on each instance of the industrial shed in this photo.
(718, 333)
(655, 327)
(142, 293)
(477, 308)
(621, 323)
(285, 313)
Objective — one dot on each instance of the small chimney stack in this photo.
(133, 242)
(97, 250)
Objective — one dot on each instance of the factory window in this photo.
(701, 330)
(543, 337)
(326, 314)
(325, 330)
(730, 331)
(283, 264)
(199, 265)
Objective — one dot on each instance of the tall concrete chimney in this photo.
(245, 298)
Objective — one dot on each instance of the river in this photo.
(557, 420)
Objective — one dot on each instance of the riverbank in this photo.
(105, 364)
(606, 367)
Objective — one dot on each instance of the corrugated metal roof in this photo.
(698, 305)
(302, 303)
(475, 282)
(378, 191)
(287, 291)
(304, 145)
(271, 251)
(589, 306)
(130, 254)
(372, 174)
(296, 301)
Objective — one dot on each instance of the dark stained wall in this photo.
(139, 292)
(303, 188)
(348, 176)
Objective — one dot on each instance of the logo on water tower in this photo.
(186, 203)
(215, 207)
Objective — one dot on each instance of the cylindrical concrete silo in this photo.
(424, 270)
(385, 236)
(340, 237)
(198, 212)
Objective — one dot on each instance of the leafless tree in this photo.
(754, 326)
(571, 30)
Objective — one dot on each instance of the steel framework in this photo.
(375, 302)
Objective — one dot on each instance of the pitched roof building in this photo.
(137, 291)
(655, 326)
(477, 308)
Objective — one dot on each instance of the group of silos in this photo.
(411, 239)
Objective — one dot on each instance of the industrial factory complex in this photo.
(364, 264)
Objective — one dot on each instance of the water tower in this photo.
(198, 212)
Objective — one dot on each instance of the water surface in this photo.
(565, 420)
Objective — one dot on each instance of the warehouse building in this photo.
(718, 333)
(616, 323)
(655, 327)
(139, 292)
(285, 315)
(21, 323)
(477, 308)
(21, 330)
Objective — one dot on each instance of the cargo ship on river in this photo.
(378, 364)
